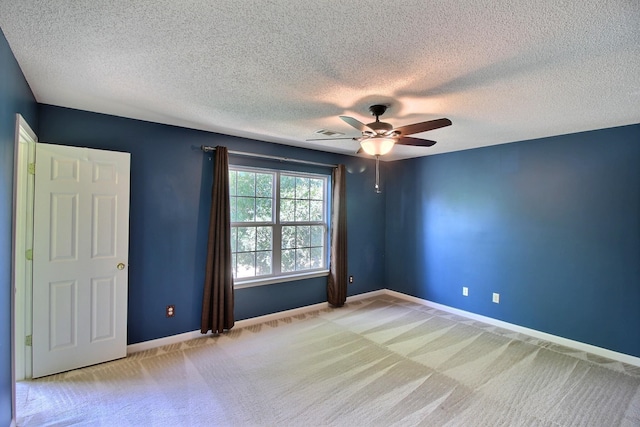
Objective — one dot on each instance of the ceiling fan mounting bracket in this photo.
(378, 110)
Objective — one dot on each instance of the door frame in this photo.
(22, 239)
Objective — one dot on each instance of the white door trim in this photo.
(22, 239)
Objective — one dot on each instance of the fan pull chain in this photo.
(377, 187)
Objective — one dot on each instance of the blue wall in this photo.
(15, 97)
(553, 225)
(170, 200)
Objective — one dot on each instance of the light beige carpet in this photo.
(378, 362)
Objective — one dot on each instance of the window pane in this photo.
(302, 188)
(246, 184)
(263, 263)
(288, 237)
(287, 187)
(246, 264)
(245, 210)
(316, 209)
(246, 239)
(287, 210)
(317, 235)
(316, 189)
(233, 265)
(233, 208)
(234, 238)
(264, 210)
(317, 257)
(303, 259)
(263, 238)
(232, 182)
(303, 236)
(302, 210)
(288, 260)
(264, 185)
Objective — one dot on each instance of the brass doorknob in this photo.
(120, 266)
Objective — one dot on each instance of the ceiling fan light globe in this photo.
(377, 146)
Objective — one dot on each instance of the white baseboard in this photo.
(598, 351)
(175, 339)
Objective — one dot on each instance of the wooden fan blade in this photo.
(407, 140)
(355, 123)
(423, 126)
(330, 139)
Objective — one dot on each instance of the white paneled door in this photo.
(80, 257)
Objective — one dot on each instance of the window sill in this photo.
(280, 279)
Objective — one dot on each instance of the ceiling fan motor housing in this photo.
(380, 127)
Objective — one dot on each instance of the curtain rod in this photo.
(208, 149)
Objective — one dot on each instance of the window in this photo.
(278, 223)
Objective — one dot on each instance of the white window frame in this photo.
(277, 276)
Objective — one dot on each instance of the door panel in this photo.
(64, 227)
(104, 226)
(81, 229)
(63, 324)
(103, 300)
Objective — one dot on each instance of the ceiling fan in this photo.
(378, 138)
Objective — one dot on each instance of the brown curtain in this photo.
(337, 282)
(217, 301)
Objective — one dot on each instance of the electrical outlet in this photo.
(350, 279)
(496, 298)
(171, 310)
(465, 291)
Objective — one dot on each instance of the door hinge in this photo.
(29, 254)
(31, 168)
(27, 340)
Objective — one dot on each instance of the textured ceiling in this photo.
(501, 70)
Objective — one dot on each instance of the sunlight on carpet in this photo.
(379, 361)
